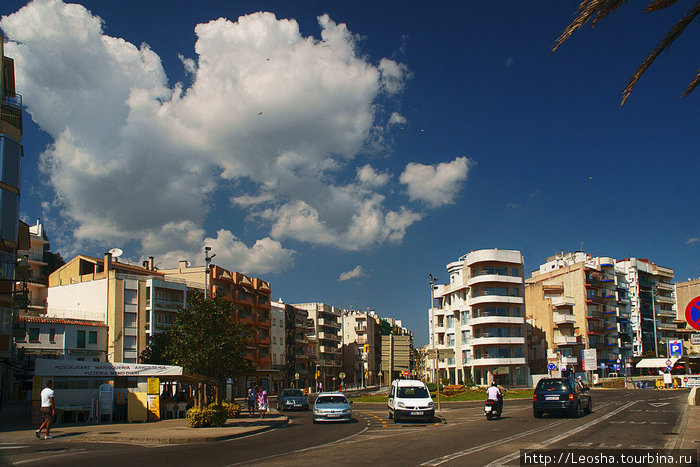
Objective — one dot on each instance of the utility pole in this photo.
(432, 281)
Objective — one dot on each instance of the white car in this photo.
(410, 399)
(332, 407)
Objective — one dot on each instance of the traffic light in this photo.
(366, 348)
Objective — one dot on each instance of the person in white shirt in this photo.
(48, 410)
(494, 393)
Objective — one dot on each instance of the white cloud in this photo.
(436, 185)
(396, 119)
(511, 205)
(368, 176)
(271, 116)
(693, 240)
(354, 274)
(510, 61)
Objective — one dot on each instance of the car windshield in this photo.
(292, 392)
(331, 400)
(414, 392)
(552, 385)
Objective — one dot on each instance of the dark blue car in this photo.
(561, 395)
(291, 399)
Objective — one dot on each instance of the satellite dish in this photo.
(116, 252)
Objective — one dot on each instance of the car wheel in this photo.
(589, 407)
(537, 413)
(578, 411)
(390, 415)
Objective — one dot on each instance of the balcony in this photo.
(328, 335)
(667, 327)
(495, 299)
(665, 286)
(11, 109)
(361, 329)
(666, 313)
(664, 299)
(559, 302)
(495, 340)
(497, 361)
(331, 323)
(564, 318)
(494, 278)
(566, 340)
(497, 320)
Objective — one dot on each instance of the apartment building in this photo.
(361, 340)
(575, 302)
(685, 292)
(653, 308)
(31, 275)
(134, 302)
(11, 152)
(252, 298)
(327, 326)
(278, 347)
(301, 343)
(478, 323)
(65, 339)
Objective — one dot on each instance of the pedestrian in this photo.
(48, 410)
(251, 400)
(262, 401)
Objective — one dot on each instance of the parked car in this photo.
(292, 399)
(331, 407)
(563, 395)
(410, 399)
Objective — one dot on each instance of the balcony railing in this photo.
(11, 109)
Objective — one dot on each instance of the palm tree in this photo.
(596, 10)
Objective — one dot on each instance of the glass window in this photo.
(130, 296)
(33, 334)
(92, 337)
(80, 341)
(514, 272)
(52, 335)
(502, 291)
(10, 161)
(9, 208)
(129, 342)
(130, 320)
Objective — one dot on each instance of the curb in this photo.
(86, 438)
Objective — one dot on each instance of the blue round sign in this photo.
(551, 367)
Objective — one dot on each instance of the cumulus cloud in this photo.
(396, 119)
(272, 118)
(693, 240)
(435, 185)
(354, 274)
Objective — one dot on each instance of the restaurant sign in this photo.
(49, 367)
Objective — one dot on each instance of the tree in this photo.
(206, 339)
(596, 10)
(155, 353)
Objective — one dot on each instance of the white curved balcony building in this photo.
(480, 314)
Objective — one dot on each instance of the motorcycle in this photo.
(493, 409)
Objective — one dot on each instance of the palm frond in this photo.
(594, 10)
(692, 85)
(666, 42)
(656, 5)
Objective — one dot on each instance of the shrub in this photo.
(233, 410)
(211, 415)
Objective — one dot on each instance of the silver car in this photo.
(331, 407)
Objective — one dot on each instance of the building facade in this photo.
(329, 357)
(361, 340)
(278, 348)
(477, 325)
(32, 266)
(301, 343)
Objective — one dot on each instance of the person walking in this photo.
(48, 410)
(251, 400)
(262, 401)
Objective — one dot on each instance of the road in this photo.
(620, 419)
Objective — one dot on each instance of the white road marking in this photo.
(12, 447)
(516, 454)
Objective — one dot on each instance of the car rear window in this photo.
(331, 400)
(413, 392)
(552, 385)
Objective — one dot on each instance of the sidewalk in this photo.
(689, 432)
(177, 431)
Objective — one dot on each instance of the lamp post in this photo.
(432, 281)
(207, 269)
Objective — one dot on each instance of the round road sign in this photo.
(551, 367)
(341, 375)
(296, 375)
(685, 380)
(692, 313)
(668, 362)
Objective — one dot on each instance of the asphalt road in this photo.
(620, 419)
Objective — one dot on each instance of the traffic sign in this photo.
(675, 348)
(668, 362)
(695, 339)
(685, 379)
(618, 367)
(692, 313)
(551, 366)
(602, 366)
(668, 368)
(296, 375)
(341, 375)
(406, 374)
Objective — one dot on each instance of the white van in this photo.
(410, 399)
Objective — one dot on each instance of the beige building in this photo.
(396, 356)
(361, 340)
(685, 293)
(329, 357)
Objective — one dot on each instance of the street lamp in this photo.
(436, 378)
(207, 269)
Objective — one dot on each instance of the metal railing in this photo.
(11, 109)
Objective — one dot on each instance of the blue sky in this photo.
(344, 150)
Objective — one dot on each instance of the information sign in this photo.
(590, 359)
(675, 348)
(695, 339)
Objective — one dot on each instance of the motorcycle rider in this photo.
(494, 393)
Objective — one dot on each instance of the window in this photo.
(130, 296)
(33, 334)
(52, 335)
(129, 320)
(80, 340)
(514, 272)
(92, 337)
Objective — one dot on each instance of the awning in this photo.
(656, 362)
(51, 367)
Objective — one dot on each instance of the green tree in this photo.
(155, 353)
(596, 10)
(206, 339)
